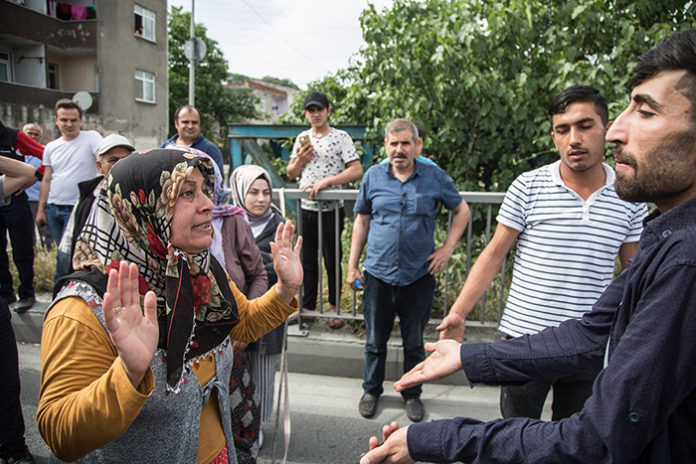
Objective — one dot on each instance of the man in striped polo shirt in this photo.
(569, 225)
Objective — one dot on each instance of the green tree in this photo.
(217, 104)
(479, 74)
(281, 81)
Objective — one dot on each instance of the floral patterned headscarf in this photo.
(131, 221)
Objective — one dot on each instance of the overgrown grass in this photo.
(446, 289)
(44, 269)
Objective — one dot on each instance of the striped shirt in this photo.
(566, 249)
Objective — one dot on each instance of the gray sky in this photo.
(302, 40)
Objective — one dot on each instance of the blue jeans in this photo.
(570, 392)
(57, 217)
(381, 303)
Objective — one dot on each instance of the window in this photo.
(144, 23)
(52, 76)
(5, 67)
(145, 86)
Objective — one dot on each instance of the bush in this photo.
(44, 269)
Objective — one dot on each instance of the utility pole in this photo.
(192, 62)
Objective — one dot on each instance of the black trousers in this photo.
(310, 254)
(11, 419)
(570, 392)
(16, 219)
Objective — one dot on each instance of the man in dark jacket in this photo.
(17, 219)
(187, 120)
(643, 405)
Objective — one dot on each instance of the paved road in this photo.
(324, 389)
(325, 424)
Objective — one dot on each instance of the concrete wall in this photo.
(30, 65)
(75, 72)
(36, 5)
(16, 115)
(120, 52)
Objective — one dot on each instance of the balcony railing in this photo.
(478, 233)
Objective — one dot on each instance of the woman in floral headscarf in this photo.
(125, 383)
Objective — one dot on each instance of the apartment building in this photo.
(111, 56)
(274, 99)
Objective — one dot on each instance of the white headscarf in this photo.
(240, 181)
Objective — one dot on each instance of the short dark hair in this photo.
(675, 52)
(68, 104)
(582, 94)
(421, 129)
(185, 107)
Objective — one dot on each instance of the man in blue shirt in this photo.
(187, 120)
(395, 213)
(643, 404)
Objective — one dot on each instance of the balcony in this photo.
(29, 25)
(20, 94)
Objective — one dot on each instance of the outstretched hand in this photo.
(394, 450)
(286, 261)
(133, 332)
(444, 361)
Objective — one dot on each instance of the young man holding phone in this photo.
(323, 157)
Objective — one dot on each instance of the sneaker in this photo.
(16, 455)
(414, 409)
(368, 405)
(24, 304)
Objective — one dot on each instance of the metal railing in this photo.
(477, 201)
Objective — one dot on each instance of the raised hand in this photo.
(394, 450)
(286, 261)
(305, 153)
(444, 361)
(133, 332)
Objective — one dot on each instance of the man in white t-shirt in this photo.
(69, 160)
(324, 157)
(569, 225)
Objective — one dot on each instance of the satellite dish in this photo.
(84, 99)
